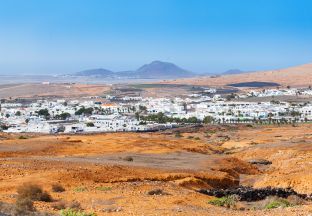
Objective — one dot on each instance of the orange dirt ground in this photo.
(207, 157)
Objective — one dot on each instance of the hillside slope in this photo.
(293, 76)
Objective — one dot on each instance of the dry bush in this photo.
(23, 206)
(59, 205)
(57, 188)
(278, 203)
(128, 158)
(33, 192)
(74, 205)
(7, 209)
(157, 192)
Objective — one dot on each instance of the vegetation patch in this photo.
(80, 189)
(57, 188)
(178, 134)
(33, 192)
(23, 206)
(26, 195)
(278, 203)
(161, 118)
(73, 212)
(227, 201)
(90, 124)
(103, 188)
(158, 192)
(59, 205)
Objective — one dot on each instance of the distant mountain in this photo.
(100, 72)
(228, 72)
(156, 69)
(233, 71)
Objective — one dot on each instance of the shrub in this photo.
(80, 189)
(72, 212)
(3, 127)
(157, 192)
(178, 134)
(90, 124)
(74, 205)
(57, 188)
(296, 200)
(190, 137)
(22, 137)
(44, 112)
(278, 203)
(33, 192)
(208, 120)
(45, 197)
(102, 188)
(227, 201)
(59, 205)
(24, 205)
(197, 138)
(128, 158)
(7, 209)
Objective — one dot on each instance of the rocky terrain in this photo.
(162, 173)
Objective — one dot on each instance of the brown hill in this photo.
(293, 76)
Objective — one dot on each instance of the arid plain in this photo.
(158, 173)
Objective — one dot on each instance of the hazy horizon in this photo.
(62, 37)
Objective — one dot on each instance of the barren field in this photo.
(51, 90)
(116, 173)
(299, 76)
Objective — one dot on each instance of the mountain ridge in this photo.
(155, 69)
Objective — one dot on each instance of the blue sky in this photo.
(64, 36)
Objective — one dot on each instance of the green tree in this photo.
(208, 120)
(137, 116)
(142, 108)
(63, 116)
(44, 112)
(84, 111)
(90, 124)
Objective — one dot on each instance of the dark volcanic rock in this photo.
(260, 161)
(250, 194)
(254, 84)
